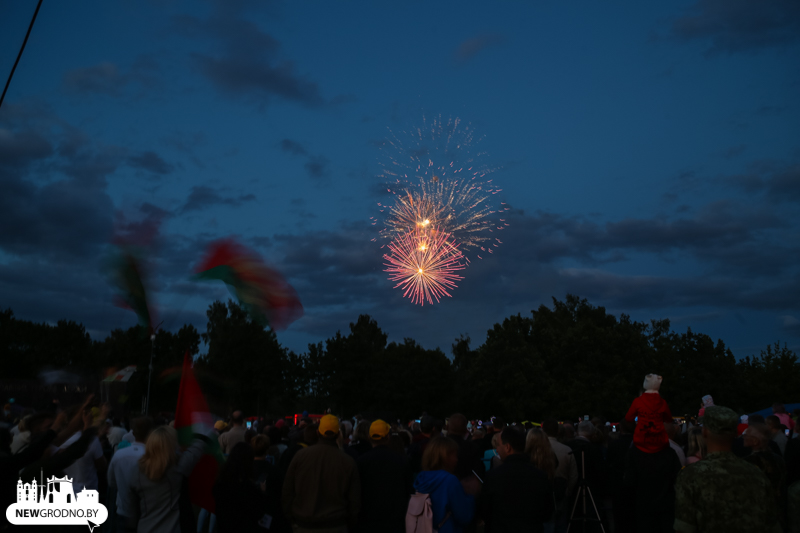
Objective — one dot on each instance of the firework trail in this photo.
(425, 264)
(438, 178)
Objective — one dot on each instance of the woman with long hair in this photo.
(537, 445)
(697, 445)
(453, 508)
(157, 481)
(240, 501)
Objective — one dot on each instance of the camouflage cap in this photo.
(720, 420)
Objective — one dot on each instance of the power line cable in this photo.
(20, 53)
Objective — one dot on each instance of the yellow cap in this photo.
(220, 425)
(379, 429)
(328, 425)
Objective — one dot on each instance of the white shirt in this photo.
(82, 471)
(21, 440)
(119, 475)
(678, 452)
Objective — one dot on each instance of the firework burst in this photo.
(425, 263)
(437, 178)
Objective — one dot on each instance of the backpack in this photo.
(419, 517)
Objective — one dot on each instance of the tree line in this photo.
(567, 360)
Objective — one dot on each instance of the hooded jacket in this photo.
(650, 435)
(447, 495)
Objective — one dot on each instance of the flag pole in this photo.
(150, 374)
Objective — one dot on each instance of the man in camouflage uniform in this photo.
(722, 493)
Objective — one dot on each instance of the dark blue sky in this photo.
(650, 155)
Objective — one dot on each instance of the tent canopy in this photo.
(767, 411)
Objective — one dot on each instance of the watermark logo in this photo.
(56, 504)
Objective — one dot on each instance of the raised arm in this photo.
(192, 455)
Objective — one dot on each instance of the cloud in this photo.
(779, 183)
(733, 26)
(154, 211)
(61, 218)
(338, 272)
(20, 148)
(317, 166)
(57, 221)
(721, 232)
(293, 147)
(139, 227)
(108, 79)
(247, 62)
(151, 162)
(54, 203)
(472, 47)
(790, 325)
(203, 197)
(742, 258)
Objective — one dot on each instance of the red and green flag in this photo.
(259, 288)
(192, 416)
(126, 275)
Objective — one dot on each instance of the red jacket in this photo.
(652, 411)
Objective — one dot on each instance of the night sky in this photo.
(649, 152)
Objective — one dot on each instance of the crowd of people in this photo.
(647, 472)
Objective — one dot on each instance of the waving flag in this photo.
(123, 375)
(260, 289)
(125, 273)
(192, 416)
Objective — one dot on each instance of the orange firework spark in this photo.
(439, 178)
(425, 264)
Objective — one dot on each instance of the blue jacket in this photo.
(446, 494)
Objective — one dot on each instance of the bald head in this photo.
(757, 437)
(586, 429)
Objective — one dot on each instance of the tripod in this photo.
(583, 491)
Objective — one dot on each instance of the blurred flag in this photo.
(126, 266)
(260, 289)
(125, 274)
(192, 416)
(122, 375)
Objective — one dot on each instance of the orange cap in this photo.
(379, 429)
(328, 424)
